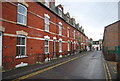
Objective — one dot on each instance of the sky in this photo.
(92, 15)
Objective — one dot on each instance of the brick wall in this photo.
(111, 36)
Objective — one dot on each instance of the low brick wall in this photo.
(111, 57)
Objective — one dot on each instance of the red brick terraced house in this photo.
(33, 32)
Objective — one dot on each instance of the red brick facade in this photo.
(35, 34)
(111, 40)
(111, 36)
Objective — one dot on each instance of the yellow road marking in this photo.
(105, 72)
(108, 72)
(43, 70)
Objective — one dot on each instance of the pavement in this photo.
(86, 65)
(113, 68)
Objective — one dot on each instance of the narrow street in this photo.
(59, 40)
(87, 66)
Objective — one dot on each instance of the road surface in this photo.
(86, 66)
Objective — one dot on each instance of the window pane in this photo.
(19, 8)
(47, 27)
(22, 9)
(60, 46)
(17, 51)
(46, 49)
(23, 41)
(46, 20)
(18, 40)
(22, 50)
(24, 19)
(46, 42)
(60, 30)
(20, 18)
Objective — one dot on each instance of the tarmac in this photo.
(18, 72)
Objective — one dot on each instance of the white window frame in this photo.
(68, 32)
(47, 23)
(60, 46)
(68, 46)
(60, 28)
(74, 34)
(18, 13)
(74, 45)
(46, 46)
(20, 55)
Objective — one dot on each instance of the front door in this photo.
(0, 48)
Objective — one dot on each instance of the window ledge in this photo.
(46, 31)
(47, 53)
(60, 51)
(23, 56)
(60, 35)
(22, 24)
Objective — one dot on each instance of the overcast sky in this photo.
(92, 16)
